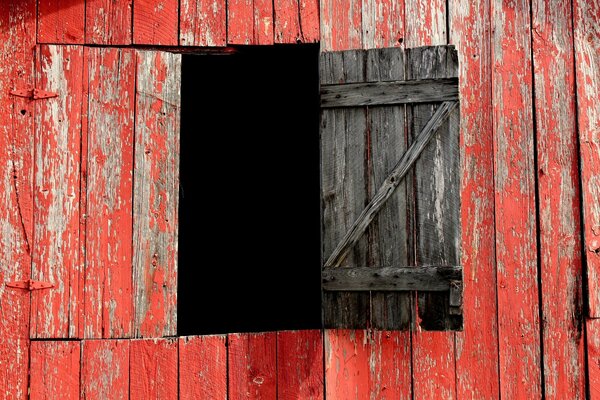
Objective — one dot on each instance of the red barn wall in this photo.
(530, 133)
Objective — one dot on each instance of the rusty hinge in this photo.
(30, 285)
(34, 94)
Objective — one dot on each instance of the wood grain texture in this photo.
(17, 41)
(153, 369)
(593, 356)
(108, 22)
(341, 25)
(203, 367)
(434, 375)
(516, 244)
(250, 22)
(61, 21)
(587, 64)
(558, 200)
(108, 273)
(382, 23)
(55, 370)
(56, 313)
(300, 365)
(477, 345)
(156, 191)
(156, 22)
(105, 370)
(343, 190)
(425, 23)
(252, 366)
(296, 21)
(203, 23)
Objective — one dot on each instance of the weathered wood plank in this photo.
(156, 22)
(516, 244)
(425, 23)
(477, 346)
(250, 22)
(427, 278)
(108, 22)
(156, 191)
(593, 356)
(252, 366)
(17, 39)
(108, 272)
(558, 200)
(300, 365)
(203, 367)
(309, 20)
(433, 366)
(341, 25)
(296, 21)
(55, 369)
(587, 56)
(388, 93)
(388, 234)
(203, 23)
(55, 313)
(61, 21)
(382, 23)
(347, 372)
(390, 365)
(153, 369)
(344, 192)
(105, 370)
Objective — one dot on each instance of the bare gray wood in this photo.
(391, 182)
(425, 278)
(437, 181)
(343, 154)
(388, 93)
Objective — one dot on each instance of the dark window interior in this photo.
(249, 210)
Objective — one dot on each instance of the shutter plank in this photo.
(203, 367)
(156, 193)
(437, 186)
(203, 23)
(343, 158)
(55, 313)
(300, 365)
(153, 369)
(61, 21)
(108, 22)
(105, 369)
(108, 271)
(16, 191)
(252, 366)
(156, 22)
(55, 369)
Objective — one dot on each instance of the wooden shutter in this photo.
(390, 184)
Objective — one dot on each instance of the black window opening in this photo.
(249, 207)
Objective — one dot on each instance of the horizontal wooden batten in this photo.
(387, 93)
(425, 278)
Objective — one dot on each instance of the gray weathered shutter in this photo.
(390, 185)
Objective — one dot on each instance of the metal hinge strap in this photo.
(35, 94)
(30, 285)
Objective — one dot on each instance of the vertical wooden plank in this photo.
(252, 366)
(516, 243)
(61, 21)
(382, 23)
(203, 367)
(108, 22)
(153, 369)
(390, 366)
(587, 56)
(347, 356)
(108, 273)
(17, 41)
(156, 22)
(296, 21)
(300, 365)
(55, 313)
(55, 370)
(559, 199)
(105, 370)
(343, 187)
(433, 371)
(250, 22)
(310, 20)
(477, 344)
(341, 24)
(387, 235)
(593, 356)
(156, 191)
(203, 23)
(425, 23)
